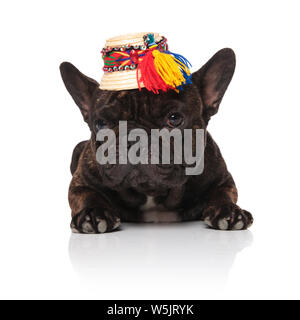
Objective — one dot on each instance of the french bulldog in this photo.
(101, 196)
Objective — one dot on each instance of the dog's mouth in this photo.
(141, 182)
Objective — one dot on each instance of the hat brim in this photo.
(120, 80)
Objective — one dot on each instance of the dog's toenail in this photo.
(223, 224)
(238, 226)
(102, 226)
(207, 221)
(87, 228)
(117, 223)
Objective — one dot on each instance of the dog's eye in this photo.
(100, 124)
(174, 120)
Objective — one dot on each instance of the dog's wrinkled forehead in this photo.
(138, 105)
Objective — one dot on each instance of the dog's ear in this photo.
(80, 87)
(213, 79)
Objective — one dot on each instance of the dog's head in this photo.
(191, 108)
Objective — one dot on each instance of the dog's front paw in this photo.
(94, 220)
(227, 217)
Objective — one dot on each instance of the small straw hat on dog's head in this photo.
(142, 60)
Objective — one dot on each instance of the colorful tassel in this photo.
(173, 72)
(185, 71)
(162, 70)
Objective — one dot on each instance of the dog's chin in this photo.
(155, 186)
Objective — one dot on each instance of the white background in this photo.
(257, 129)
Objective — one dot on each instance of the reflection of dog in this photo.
(160, 256)
(101, 196)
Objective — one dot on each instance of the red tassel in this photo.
(149, 76)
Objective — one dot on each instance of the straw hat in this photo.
(131, 63)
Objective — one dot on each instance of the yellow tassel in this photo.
(169, 68)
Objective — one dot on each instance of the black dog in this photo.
(101, 196)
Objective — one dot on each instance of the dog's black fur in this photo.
(101, 196)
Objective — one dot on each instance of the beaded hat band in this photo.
(140, 60)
